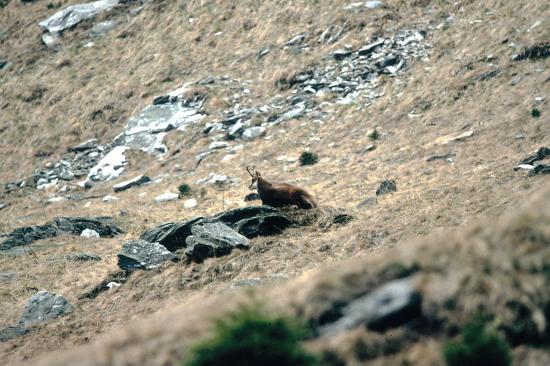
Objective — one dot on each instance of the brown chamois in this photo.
(280, 194)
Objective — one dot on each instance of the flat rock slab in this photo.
(44, 306)
(137, 181)
(388, 306)
(9, 333)
(104, 226)
(74, 14)
(251, 221)
(213, 240)
(140, 254)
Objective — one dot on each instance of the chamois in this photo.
(280, 194)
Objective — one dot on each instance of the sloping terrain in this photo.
(447, 118)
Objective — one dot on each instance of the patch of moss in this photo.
(478, 345)
(250, 337)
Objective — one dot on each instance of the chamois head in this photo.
(254, 175)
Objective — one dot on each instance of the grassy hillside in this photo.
(54, 98)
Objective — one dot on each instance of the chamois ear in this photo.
(258, 174)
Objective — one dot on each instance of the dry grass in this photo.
(53, 99)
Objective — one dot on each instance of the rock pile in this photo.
(41, 307)
(104, 226)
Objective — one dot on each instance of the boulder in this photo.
(171, 235)
(110, 166)
(251, 221)
(44, 306)
(253, 133)
(83, 257)
(9, 333)
(104, 226)
(137, 181)
(166, 197)
(141, 254)
(74, 14)
(89, 234)
(386, 307)
(387, 186)
(85, 146)
(213, 240)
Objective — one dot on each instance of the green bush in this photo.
(479, 345)
(248, 337)
(535, 113)
(308, 158)
(184, 189)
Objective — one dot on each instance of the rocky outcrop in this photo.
(137, 181)
(104, 226)
(388, 306)
(249, 221)
(213, 240)
(74, 14)
(141, 254)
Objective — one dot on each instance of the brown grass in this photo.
(46, 108)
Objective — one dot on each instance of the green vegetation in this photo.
(535, 113)
(249, 337)
(184, 189)
(479, 345)
(308, 158)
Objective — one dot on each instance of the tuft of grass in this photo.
(308, 158)
(184, 189)
(478, 345)
(535, 113)
(250, 337)
(374, 135)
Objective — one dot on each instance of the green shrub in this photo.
(184, 189)
(308, 158)
(479, 345)
(374, 134)
(535, 113)
(249, 337)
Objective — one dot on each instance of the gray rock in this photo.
(83, 257)
(74, 14)
(296, 39)
(104, 226)
(253, 133)
(341, 54)
(369, 202)
(85, 146)
(373, 4)
(171, 235)
(248, 282)
(390, 305)
(141, 254)
(166, 197)
(51, 39)
(446, 157)
(541, 154)
(44, 306)
(7, 276)
(3, 206)
(251, 221)
(213, 240)
(387, 186)
(145, 131)
(110, 166)
(9, 333)
(3, 63)
(137, 181)
(540, 169)
(104, 27)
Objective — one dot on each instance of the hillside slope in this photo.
(441, 106)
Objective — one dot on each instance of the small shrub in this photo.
(374, 134)
(478, 345)
(308, 158)
(184, 189)
(248, 337)
(535, 113)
